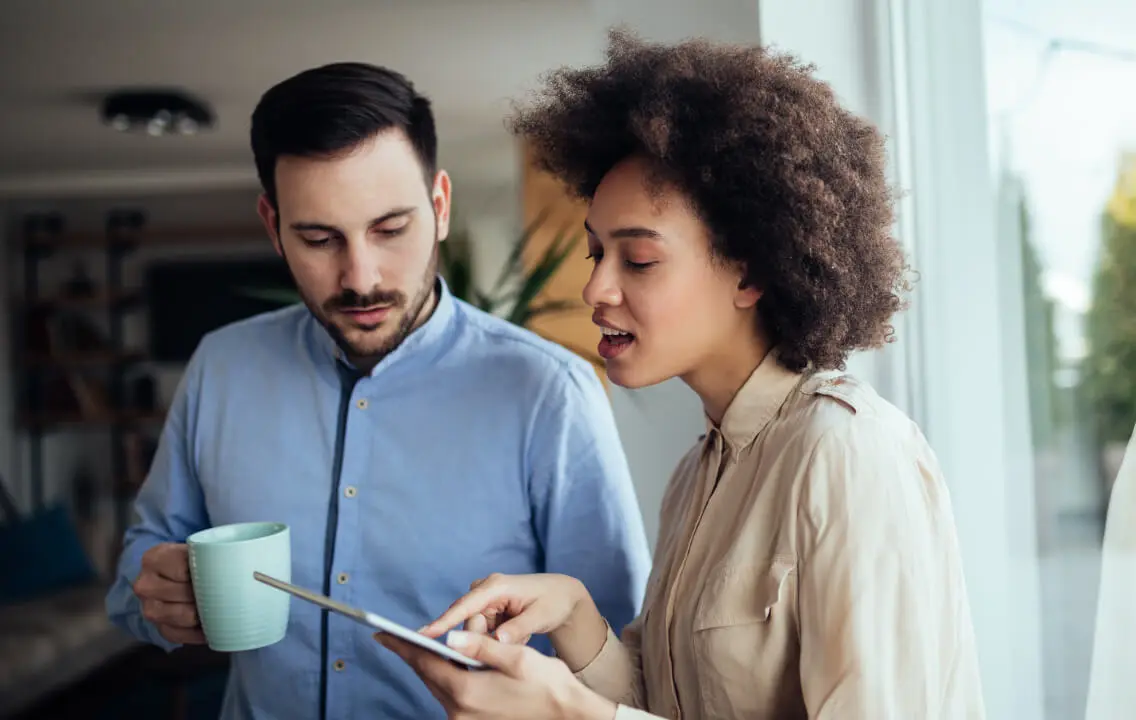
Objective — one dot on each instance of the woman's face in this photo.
(666, 307)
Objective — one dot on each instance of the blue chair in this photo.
(40, 553)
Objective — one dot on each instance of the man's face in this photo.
(360, 232)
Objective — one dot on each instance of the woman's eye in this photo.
(639, 266)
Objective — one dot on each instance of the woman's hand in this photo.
(515, 607)
(521, 683)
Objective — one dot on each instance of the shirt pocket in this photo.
(745, 638)
(745, 594)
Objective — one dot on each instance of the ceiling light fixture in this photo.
(156, 112)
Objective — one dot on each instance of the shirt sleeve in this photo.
(169, 507)
(586, 514)
(885, 624)
(615, 672)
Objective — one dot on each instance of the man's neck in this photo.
(428, 307)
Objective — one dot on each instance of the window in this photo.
(1018, 129)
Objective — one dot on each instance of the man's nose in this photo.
(361, 270)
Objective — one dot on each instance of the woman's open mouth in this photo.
(614, 342)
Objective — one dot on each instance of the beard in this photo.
(374, 345)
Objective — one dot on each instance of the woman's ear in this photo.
(746, 296)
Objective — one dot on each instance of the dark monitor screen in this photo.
(186, 300)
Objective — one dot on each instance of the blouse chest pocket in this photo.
(744, 594)
(745, 638)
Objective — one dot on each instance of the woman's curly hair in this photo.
(791, 185)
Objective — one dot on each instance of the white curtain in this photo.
(1112, 682)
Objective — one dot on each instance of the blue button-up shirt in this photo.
(475, 447)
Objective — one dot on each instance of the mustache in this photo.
(349, 299)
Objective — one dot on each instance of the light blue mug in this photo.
(238, 613)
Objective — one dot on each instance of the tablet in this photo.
(372, 620)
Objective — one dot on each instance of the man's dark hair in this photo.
(331, 109)
(791, 185)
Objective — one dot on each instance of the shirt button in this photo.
(349, 491)
(339, 665)
(341, 578)
(361, 403)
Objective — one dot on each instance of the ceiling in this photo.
(59, 56)
(470, 56)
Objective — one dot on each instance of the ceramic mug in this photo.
(237, 612)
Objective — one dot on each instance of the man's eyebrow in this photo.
(396, 213)
(313, 226)
(324, 227)
(633, 231)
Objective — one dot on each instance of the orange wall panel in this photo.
(573, 328)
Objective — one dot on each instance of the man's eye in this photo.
(392, 232)
(317, 242)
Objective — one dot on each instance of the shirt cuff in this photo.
(611, 672)
(624, 712)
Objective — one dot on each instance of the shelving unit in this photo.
(73, 386)
(100, 404)
(66, 387)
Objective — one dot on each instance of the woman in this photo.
(807, 564)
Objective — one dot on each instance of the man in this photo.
(412, 443)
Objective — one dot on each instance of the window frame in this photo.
(967, 326)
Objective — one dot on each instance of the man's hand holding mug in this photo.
(166, 593)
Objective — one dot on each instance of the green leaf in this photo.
(484, 302)
(538, 277)
(515, 262)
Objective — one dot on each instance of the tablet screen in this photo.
(372, 620)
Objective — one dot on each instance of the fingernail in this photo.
(457, 638)
(502, 637)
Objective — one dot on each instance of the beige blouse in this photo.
(807, 567)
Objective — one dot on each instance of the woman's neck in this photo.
(721, 375)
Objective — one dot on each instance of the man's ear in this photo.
(271, 220)
(442, 203)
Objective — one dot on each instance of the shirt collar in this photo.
(757, 402)
(427, 338)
